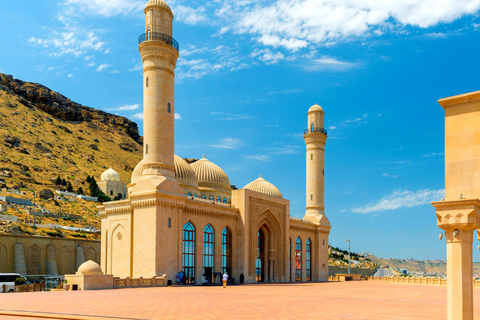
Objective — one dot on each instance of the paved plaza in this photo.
(333, 300)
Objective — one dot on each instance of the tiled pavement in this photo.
(334, 300)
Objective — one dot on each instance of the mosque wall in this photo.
(30, 255)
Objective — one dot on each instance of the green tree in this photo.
(80, 190)
(69, 187)
(116, 198)
(58, 181)
(64, 182)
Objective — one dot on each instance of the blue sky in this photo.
(248, 72)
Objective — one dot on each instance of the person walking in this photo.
(225, 279)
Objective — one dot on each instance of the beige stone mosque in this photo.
(185, 216)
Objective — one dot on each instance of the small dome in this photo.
(315, 108)
(158, 3)
(210, 175)
(110, 175)
(137, 172)
(184, 173)
(89, 267)
(263, 186)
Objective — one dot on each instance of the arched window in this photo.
(208, 252)
(111, 193)
(168, 107)
(227, 251)
(195, 195)
(146, 82)
(311, 197)
(146, 149)
(311, 156)
(313, 127)
(189, 194)
(169, 222)
(289, 259)
(308, 260)
(260, 262)
(188, 257)
(148, 33)
(298, 259)
(203, 197)
(211, 198)
(224, 200)
(219, 199)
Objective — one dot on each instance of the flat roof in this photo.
(459, 99)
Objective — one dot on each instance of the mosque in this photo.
(181, 215)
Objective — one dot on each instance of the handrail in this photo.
(157, 36)
(316, 130)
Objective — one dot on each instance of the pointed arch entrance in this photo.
(267, 262)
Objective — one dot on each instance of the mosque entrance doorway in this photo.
(260, 262)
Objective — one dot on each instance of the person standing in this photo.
(225, 279)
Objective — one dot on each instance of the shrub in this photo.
(20, 281)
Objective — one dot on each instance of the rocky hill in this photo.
(45, 135)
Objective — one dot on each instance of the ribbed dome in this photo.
(210, 175)
(184, 173)
(263, 186)
(89, 267)
(160, 3)
(315, 108)
(110, 175)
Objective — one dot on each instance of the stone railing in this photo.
(23, 288)
(141, 282)
(419, 280)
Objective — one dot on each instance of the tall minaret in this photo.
(315, 138)
(159, 55)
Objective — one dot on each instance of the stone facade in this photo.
(45, 255)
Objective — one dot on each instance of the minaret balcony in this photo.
(157, 36)
(315, 130)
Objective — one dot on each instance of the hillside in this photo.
(43, 135)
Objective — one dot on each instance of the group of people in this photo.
(183, 279)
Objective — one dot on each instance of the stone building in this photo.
(111, 185)
(185, 216)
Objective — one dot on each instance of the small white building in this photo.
(111, 185)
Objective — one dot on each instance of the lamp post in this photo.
(348, 240)
(34, 211)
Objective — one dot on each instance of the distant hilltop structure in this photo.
(112, 186)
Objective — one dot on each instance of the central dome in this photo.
(184, 174)
(210, 175)
(263, 186)
(110, 175)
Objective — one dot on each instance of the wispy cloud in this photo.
(190, 15)
(228, 143)
(137, 116)
(230, 116)
(128, 107)
(390, 175)
(286, 91)
(433, 154)
(402, 199)
(328, 64)
(258, 157)
(102, 67)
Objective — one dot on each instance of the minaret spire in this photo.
(315, 137)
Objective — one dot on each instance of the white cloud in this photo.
(286, 91)
(225, 116)
(70, 75)
(433, 154)
(295, 24)
(137, 116)
(258, 158)
(326, 64)
(107, 8)
(189, 15)
(229, 143)
(390, 175)
(137, 67)
(177, 116)
(402, 199)
(102, 67)
(128, 107)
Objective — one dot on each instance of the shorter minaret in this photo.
(315, 137)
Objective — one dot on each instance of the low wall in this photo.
(140, 282)
(35, 255)
(6, 217)
(333, 270)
